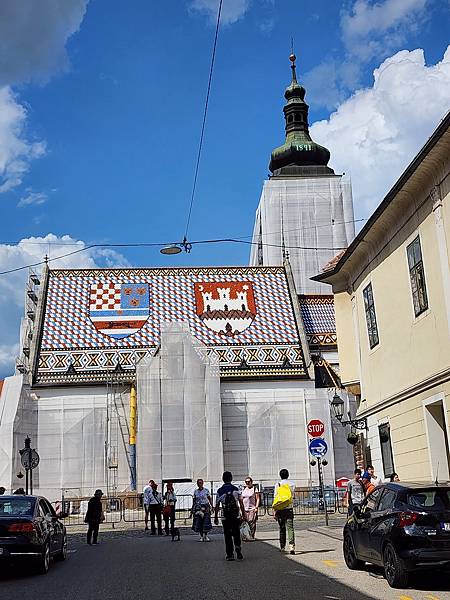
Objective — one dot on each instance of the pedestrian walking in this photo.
(201, 511)
(94, 516)
(285, 516)
(153, 502)
(394, 477)
(251, 500)
(170, 500)
(355, 491)
(229, 499)
(374, 479)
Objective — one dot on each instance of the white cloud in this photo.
(232, 10)
(12, 285)
(374, 134)
(31, 197)
(33, 37)
(16, 151)
(369, 30)
(373, 29)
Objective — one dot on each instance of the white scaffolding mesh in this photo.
(179, 414)
(303, 214)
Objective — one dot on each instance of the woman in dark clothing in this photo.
(170, 501)
(94, 516)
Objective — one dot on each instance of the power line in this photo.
(200, 146)
(153, 244)
(235, 237)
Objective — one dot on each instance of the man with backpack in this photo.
(283, 506)
(230, 498)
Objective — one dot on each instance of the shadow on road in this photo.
(132, 565)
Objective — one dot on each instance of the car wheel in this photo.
(43, 561)
(394, 570)
(62, 554)
(351, 560)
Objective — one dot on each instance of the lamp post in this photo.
(30, 460)
(337, 406)
(321, 462)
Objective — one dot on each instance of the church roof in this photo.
(102, 321)
(317, 312)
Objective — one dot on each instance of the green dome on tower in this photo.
(299, 155)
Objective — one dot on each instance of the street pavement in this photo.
(130, 563)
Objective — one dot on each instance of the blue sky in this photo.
(102, 105)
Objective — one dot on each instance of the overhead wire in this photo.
(202, 134)
(154, 244)
(236, 237)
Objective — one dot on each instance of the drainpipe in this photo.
(132, 440)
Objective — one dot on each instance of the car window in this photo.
(387, 500)
(43, 508)
(16, 507)
(372, 500)
(433, 499)
(50, 510)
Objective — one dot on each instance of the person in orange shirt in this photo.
(368, 485)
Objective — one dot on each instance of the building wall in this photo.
(348, 341)
(411, 349)
(264, 430)
(410, 366)
(410, 437)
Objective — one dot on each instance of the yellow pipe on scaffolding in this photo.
(133, 411)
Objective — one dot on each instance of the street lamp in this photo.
(337, 405)
(177, 248)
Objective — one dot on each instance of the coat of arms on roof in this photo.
(225, 307)
(119, 309)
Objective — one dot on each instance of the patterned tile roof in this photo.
(317, 311)
(95, 318)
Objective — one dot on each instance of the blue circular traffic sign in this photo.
(318, 447)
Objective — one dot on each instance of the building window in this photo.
(417, 276)
(384, 432)
(371, 318)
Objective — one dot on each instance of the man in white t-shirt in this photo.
(285, 517)
(153, 502)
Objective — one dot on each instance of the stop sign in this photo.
(315, 428)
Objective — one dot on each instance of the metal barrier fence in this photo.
(130, 508)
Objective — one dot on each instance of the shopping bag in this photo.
(246, 535)
(283, 497)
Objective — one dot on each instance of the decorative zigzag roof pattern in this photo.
(317, 311)
(103, 320)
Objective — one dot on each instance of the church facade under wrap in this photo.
(127, 375)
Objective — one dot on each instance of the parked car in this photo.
(30, 529)
(402, 527)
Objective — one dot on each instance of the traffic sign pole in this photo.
(322, 490)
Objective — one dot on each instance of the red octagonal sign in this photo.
(316, 428)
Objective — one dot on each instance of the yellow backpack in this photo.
(283, 497)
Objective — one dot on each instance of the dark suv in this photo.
(402, 527)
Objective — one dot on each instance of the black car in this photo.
(402, 527)
(30, 529)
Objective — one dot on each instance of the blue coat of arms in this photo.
(119, 309)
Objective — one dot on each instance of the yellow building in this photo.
(392, 300)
